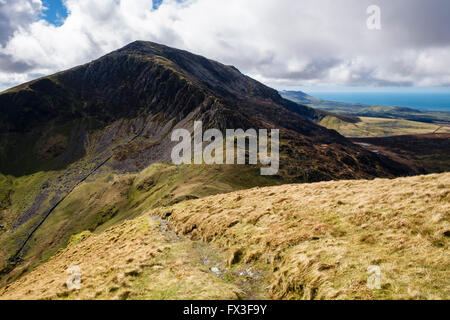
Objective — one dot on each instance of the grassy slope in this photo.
(300, 241)
(111, 198)
(16, 195)
(378, 127)
(136, 259)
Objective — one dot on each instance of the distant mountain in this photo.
(363, 110)
(81, 149)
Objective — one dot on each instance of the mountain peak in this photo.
(144, 47)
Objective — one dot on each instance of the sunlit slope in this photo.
(136, 259)
(319, 239)
(304, 241)
(106, 200)
(379, 127)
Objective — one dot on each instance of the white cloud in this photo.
(15, 15)
(282, 43)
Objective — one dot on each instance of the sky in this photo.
(54, 12)
(286, 44)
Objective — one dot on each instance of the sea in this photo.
(428, 101)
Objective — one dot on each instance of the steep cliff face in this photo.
(116, 115)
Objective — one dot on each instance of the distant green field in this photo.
(379, 127)
(361, 110)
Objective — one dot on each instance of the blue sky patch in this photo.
(156, 4)
(55, 13)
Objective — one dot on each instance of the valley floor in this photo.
(379, 127)
(302, 241)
